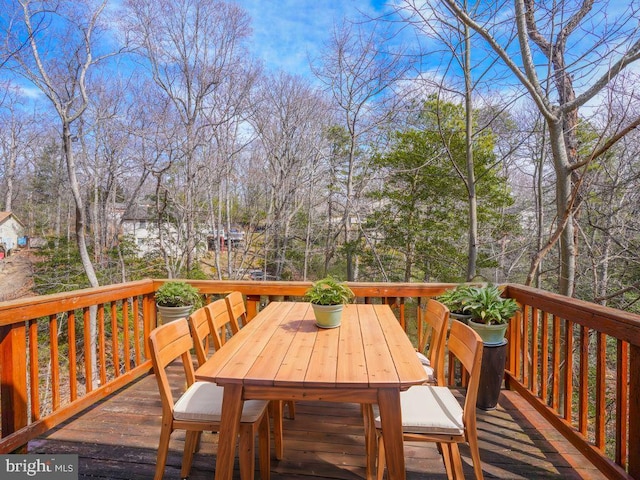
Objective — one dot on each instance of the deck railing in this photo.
(578, 363)
(52, 366)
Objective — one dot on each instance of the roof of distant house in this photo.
(138, 212)
(4, 216)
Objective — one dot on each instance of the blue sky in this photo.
(287, 32)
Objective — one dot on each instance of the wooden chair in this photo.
(199, 408)
(236, 307)
(221, 323)
(433, 341)
(433, 414)
(238, 311)
(201, 333)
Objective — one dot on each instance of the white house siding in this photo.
(10, 230)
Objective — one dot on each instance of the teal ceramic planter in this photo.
(490, 334)
(461, 317)
(169, 314)
(328, 316)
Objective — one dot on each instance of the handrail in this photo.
(47, 353)
(600, 344)
(578, 364)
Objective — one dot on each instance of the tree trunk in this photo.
(472, 259)
(10, 169)
(80, 212)
(564, 209)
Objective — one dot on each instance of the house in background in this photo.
(139, 224)
(11, 229)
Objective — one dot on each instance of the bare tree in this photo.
(227, 111)
(607, 43)
(289, 124)
(610, 229)
(16, 133)
(58, 62)
(358, 74)
(190, 47)
(62, 76)
(115, 159)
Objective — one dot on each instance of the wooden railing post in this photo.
(150, 321)
(13, 377)
(634, 411)
(252, 306)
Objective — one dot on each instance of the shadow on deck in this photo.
(117, 439)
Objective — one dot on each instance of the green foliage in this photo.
(422, 205)
(60, 269)
(329, 291)
(457, 298)
(178, 294)
(136, 266)
(486, 305)
(196, 273)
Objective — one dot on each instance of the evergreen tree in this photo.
(421, 214)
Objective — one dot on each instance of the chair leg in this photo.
(456, 459)
(291, 408)
(196, 447)
(163, 449)
(264, 443)
(475, 456)
(246, 451)
(190, 444)
(445, 450)
(381, 459)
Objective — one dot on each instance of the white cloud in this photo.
(30, 92)
(289, 32)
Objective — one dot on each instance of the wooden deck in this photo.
(117, 439)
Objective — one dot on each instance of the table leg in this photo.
(276, 407)
(391, 420)
(232, 404)
(370, 440)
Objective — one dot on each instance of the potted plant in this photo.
(456, 299)
(490, 313)
(327, 297)
(176, 299)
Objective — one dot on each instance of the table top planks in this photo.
(283, 347)
(352, 364)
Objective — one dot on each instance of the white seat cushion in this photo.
(429, 410)
(431, 375)
(202, 402)
(423, 358)
(426, 364)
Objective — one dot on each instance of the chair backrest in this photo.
(436, 317)
(236, 307)
(466, 345)
(219, 321)
(201, 332)
(167, 343)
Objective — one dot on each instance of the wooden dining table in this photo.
(282, 355)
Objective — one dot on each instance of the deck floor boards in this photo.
(117, 439)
